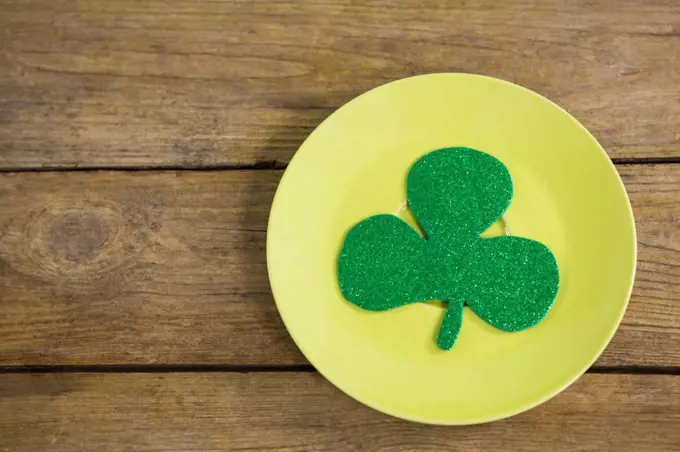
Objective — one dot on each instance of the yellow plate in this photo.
(568, 195)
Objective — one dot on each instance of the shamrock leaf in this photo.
(455, 194)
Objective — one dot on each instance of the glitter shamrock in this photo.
(455, 194)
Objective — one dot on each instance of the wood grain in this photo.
(303, 412)
(170, 267)
(188, 83)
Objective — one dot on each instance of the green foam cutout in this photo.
(455, 194)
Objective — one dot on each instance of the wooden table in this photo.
(141, 143)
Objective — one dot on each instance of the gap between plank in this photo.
(645, 161)
(156, 368)
(262, 368)
(262, 165)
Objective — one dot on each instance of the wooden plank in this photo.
(303, 412)
(170, 267)
(194, 84)
(653, 314)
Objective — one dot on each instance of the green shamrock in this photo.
(455, 194)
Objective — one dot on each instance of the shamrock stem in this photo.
(453, 319)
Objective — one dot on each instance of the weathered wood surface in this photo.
(303, 412)
(170, 267)
(190, 83)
